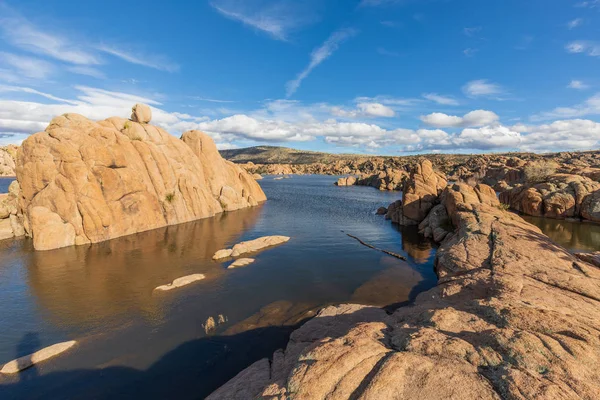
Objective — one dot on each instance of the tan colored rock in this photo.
(559, 196)
(257, 177)
(25, 362)
(590, 258)
(251, 246)
(210, 325)
(241, 262)
(419, 194)
(180, 282)
(346, 181)
(514, 316)
(112, 178)
(141, 113)
(8, 155)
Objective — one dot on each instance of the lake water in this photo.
(575, 236)
(136, 343)
(4, 183)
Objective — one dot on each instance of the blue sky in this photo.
(366, 76)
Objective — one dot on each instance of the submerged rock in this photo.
(250, 246)
(87, 182)
(30, 360)
(513, 316)
(179, 282)
(590, 258)
(241, 262)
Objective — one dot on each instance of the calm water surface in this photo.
(4, 183)
(133, 343)
(573, 235)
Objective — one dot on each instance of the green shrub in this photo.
(170, 197)
(539, 171)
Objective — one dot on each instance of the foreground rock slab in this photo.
(514, 316)
(241, 262)
(30, 360)
(250, 246)
(86, 182)
(179, 282)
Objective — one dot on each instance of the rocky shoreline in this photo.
(513, 316)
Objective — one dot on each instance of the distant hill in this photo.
(279, 155)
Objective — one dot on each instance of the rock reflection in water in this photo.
(573, 235)
(87, 284)
(390, 286)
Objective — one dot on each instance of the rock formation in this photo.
(250, 246)
(30, 360)
(241, 262)
(559, 196)
(86, 182)
(513, 316)
(180, 282)
(420, 193)
(11, 220)
(8, 154)
(346, 181)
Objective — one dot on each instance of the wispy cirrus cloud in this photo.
(83, 55)
(319, 55)
(26, 67)
(439, 99)
(158, 62)
(277, 18)
(21, 33)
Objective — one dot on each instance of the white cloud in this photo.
(277, 18)
(589, 107)
(574, 23)
(488, 138)
(575, 134)
(482, 88)
(319, 55)
(588, 4)
(158, 62)
(470, 52)
(439, 99)
(27, 67)
(18, 89)
(584, 46)
(474, 118)
(472, 31)
(364, 110)
(576, 84)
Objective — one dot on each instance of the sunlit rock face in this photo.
(87, 182)
(7, 160)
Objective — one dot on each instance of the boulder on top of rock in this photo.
(346, 181)
(141, 113)
(86, 182)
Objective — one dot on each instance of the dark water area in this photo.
(574, 236)
(136, 343)
(5, 183)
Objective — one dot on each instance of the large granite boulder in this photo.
(86, 182)
(514, 316)
(7, 160)
(420, 193)
(559, 196)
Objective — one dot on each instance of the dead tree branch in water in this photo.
(389, 253)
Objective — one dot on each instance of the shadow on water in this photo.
(191, 371)
(28, 345)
